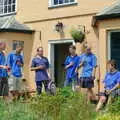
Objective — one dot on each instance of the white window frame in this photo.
(109, 42)
(51, 3)
(7, 13)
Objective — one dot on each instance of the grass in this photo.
(66, 105)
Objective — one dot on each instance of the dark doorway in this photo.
(61, 51)
(115, 47)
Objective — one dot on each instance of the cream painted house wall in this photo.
(37, 15)
(28, 43)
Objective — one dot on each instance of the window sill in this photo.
(8, 14)
(62, 5)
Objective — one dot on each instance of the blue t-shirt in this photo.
(111, 80)
(12, 61)
(40, 75)
(89, 63)
(70, 72)
(3, 72)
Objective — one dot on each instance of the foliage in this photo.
(65, 105)
(77, 35)
(108, 116)
(112, 111)
(114, 108)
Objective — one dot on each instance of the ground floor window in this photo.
(15, 43)
(114, 46)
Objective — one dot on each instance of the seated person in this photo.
(111, 84)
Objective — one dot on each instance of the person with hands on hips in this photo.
(40, 65)
(88, 63)
(111, 84)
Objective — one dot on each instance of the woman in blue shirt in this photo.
(71, 63)
(111, 84)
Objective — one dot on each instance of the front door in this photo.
(60, 53)
(114, 47)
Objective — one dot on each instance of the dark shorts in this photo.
(4, 89)
(86, 82)
(113, 94)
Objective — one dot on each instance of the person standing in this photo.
(71, 63)
(15, 62)
(88, 63)
(40, 65)
(4, 89)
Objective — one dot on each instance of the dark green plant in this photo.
(114, 107)
(77, 35)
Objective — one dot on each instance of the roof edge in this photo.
(104, 17)
(17, 31)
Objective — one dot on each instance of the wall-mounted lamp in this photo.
(59, 27)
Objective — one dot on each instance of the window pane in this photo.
(56, 2)
(9, 8)
(15, 43)
(1, 2)
(9, 2)
(72, 0)
(5, 2)
(1, 10)
(14, 1)
(67, 1)
(13, 8)
(5, 9)
(60, 1)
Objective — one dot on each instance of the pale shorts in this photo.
(14, 83)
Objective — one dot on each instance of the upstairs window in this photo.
(7, 6)
(61, 2)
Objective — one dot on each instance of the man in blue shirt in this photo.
(40, 65)
(15, 62)
(111, 84)
(71, 63)
(88, 63)
(3, 72)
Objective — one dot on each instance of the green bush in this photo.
(108, 116)
(114, 108)
(66, 105)
(112, 111)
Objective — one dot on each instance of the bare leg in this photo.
(101, 102)
(90, 94)
(12, 95)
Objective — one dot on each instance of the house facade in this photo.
(33, 22)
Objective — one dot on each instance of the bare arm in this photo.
(94, 71)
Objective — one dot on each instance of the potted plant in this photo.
(77, 35)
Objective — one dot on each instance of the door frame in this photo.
(109, 42)
(51, 51)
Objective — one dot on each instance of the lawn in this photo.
(66, 105)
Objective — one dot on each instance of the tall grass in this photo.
(66, 105)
